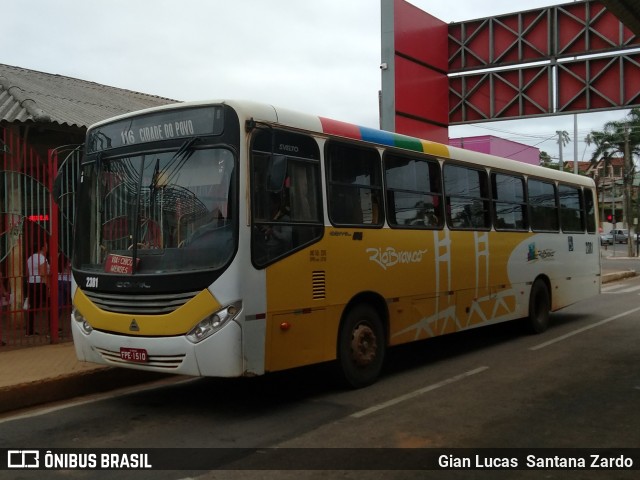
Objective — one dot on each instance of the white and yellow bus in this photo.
(234, 239)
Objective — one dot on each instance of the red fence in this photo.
(35, 245)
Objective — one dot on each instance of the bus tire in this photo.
(539, 307)
(361, 346)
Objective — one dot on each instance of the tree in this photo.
(563, 139)
(620, 138)
(545, 159)
(611, 140)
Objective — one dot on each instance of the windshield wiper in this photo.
(181, 156)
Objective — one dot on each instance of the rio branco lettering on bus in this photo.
(161, 131)
(389, 257)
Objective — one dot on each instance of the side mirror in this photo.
(276, 173)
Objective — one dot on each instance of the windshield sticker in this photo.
(390, 257)
(120, 264)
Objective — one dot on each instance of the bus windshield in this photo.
(156, 212)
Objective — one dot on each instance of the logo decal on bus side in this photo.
(533, 254)
(390, 257)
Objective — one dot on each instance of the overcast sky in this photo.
(321, 57)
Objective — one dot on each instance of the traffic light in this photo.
(609, 218)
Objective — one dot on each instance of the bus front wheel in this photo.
(539, 307)
(361, 346)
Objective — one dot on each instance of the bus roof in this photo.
(321, 125)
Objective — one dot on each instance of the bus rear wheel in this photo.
(361, 346)
(539, 307)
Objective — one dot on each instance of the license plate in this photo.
(138, 355)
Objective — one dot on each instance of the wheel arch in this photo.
(374, 300)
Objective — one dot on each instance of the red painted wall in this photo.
(421, 58)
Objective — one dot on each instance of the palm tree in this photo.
(563, 140)
(545, 159)
(620, 138)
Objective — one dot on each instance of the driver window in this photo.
(286, 204)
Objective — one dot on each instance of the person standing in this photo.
(38, 285)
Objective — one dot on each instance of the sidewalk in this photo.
(48, 373)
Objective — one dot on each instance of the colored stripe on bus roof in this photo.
(342, 129)
(382, 137)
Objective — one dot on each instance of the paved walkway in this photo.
(47, 373)
(38, 375)
(36, 364)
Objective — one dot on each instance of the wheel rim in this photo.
(364, 345)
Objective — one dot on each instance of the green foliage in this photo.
(610, 141)
(545, 159)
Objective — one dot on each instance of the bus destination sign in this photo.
(164, 125)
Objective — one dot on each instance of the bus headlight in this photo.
(214, 322)
(78, 317)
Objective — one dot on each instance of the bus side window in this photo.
(414, 192)
(354, 185)
(571, 209)
(590, 210)
(467, 197)
(509, 205)
(286, 200)
(543, 206)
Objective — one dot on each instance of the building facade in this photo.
(43, 121)
(499, 147)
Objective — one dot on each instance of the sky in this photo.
(320, 57)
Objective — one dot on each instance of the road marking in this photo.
(622, 288)
(629, 290)
(415, 393)
(584, 329)
(612, 288)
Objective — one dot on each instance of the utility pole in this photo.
(576, 170)
(560, 145)
(628, 180)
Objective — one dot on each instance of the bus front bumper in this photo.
(219, 355)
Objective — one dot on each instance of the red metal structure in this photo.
(570, 58)
(30, 219)
(414, 72)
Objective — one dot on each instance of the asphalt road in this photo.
(616, 259)
(577, 385)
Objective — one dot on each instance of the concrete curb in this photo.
(16, 397)
(612, 277)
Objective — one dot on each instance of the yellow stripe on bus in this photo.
(178, 322)
(436, 149)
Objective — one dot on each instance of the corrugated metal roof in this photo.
(32, 96)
